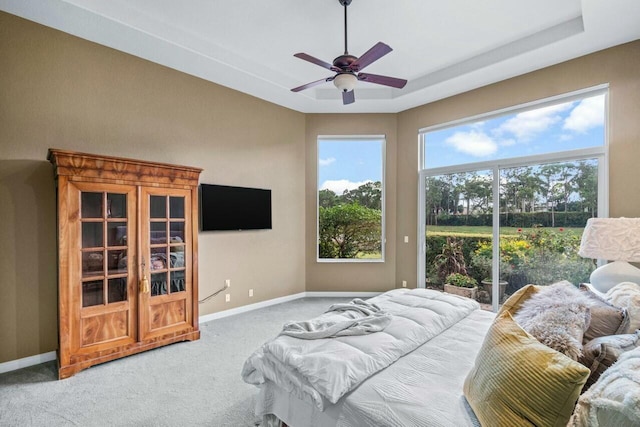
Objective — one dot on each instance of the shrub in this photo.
(451, 258)
(348, 229)
(435, 243)
(461, 280)
(518, 219)
(538, 256)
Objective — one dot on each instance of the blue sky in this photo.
(559, 127)
(348, 164)
(345, 165)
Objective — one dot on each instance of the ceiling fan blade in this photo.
(312, 84)
(348, 97)
(317, 61)
(376, 52)
(382, 80)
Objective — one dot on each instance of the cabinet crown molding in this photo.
(87, 166)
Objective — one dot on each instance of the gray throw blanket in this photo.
(357, 317)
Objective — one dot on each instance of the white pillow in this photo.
(627, 295)
(614, 400)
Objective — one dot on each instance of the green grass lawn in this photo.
(488, 231)
(368, 255)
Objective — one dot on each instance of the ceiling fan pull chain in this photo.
(345, 3)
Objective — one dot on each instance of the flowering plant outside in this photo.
(513, 252)
(539, 256)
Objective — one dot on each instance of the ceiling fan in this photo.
(347, 67)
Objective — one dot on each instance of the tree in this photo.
(368, 195)
(347, 229)
(530, 186)
(477, 192)
(437, 192)
(561, 178)
(587, 186)
(327, 198)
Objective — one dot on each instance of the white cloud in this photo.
(507, 142)
(327, 161)
(477, 144)
(588, 114)
(340, 185)
(529, 123)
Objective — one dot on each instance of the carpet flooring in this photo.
(184, 384)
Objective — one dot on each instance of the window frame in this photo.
(346, 138)
(600, 153)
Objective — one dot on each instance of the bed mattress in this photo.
(422, 388)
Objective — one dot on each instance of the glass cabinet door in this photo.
(167, 244)
(166, 250)
(105, 274)
(104, 230)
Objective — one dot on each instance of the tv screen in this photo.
(234, 208)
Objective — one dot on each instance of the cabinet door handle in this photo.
(144, 282)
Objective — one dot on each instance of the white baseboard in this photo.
(25, 362)
(250, 307)
(262, 304)
(343, 294)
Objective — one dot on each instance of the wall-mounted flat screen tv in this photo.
(224, 207)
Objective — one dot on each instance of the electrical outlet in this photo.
(406, 239)
(227, 283)
(227, 297)
(250, 292)
(404, 283)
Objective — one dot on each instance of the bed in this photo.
(409, 374)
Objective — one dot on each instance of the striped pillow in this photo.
(517, 381)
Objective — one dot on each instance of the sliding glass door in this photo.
(504, 196)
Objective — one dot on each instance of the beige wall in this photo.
(619, 66)
(63, 92)
(60, 91)
(364, 276)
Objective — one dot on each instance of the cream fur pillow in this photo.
(557, 316)
(627, 295)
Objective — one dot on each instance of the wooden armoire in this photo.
(127, 257)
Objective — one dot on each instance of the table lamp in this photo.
(613, 239)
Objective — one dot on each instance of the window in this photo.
(545, 128)
(505, 196)
(351, 199)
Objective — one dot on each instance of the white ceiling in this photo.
(442, 48)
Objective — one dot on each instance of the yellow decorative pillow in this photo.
(513, 303)
(517, 381)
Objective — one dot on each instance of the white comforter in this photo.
(326, 369)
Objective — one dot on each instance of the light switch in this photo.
(406, 239)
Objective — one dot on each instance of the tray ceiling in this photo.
(442, 48)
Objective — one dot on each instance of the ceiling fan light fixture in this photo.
(348, 67)
(346, 82)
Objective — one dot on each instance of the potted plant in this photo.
(487, 286)
(482, 268)
(461, 284)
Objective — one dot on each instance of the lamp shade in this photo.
(615, 239)
(345, 82)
